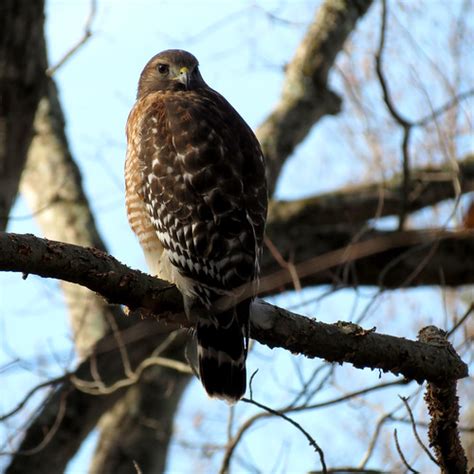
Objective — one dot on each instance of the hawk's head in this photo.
(173, 69)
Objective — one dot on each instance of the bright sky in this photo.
(242, 51)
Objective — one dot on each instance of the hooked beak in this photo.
(184, 76)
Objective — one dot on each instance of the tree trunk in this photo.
(22, 81)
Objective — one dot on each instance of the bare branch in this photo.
(82, 410)
(49, 434)
(443, 406)
(404, 123)
(83, 40)
(464, 429)
(305, 96)
(356, 204)
(232, 444)
(271, 325)
(310, 439)
(415, 432)
(98, 387)
(373, 440)
(48, 383)
(461, 321)
(381, 258)
(443, 109)
(400, 452)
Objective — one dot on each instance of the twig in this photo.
(310, 439)
(403, 122)
(232, 445)
(85, 37)
(348, 396)
(20, 405)
(289, 409)
(137, 467)
(250, 383)
(230, 422)
(50, 433)
(99, 388)
(283, 263)
(415, 432)
(375, 436)
(127, 367)
(304, 391)
(373, 440)
(400, 452)
(424, 424)
(444, 108)
(461, 321)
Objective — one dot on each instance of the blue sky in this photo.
(242, 51)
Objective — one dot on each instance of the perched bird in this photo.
(196, 198)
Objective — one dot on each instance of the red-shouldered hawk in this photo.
(196, 197)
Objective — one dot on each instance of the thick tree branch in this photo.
(272, 326)
(22, 82)
(353, 205)
(305, 96)
(443, 406)
(410, 258)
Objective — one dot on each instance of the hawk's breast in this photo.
(203, 184)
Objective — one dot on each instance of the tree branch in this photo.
(443, 406)
(271, 325)
(305, 96)
(357, 204)
(81, 42)
(82, 410)
(403, 259)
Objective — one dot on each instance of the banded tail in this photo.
(222, 350)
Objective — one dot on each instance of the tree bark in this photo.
(273, 326)
(356, 204)
(305, 97)
(22, 82)
(52, 186)
(78, 411)
(443, 406)
(398, 260)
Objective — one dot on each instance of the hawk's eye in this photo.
(163, 68)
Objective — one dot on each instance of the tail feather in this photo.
(222, 350)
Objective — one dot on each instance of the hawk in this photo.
(196, 197)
